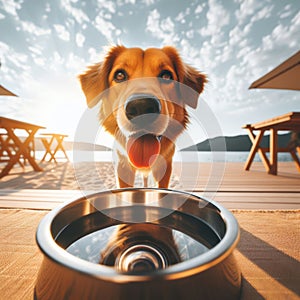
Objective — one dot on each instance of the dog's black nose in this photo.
(142, 104)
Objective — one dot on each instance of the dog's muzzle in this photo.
(143, 111)
(144, 107)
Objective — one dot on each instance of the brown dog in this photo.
(142, 107)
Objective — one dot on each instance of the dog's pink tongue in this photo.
(142, 151)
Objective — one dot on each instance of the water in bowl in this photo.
(138, 247)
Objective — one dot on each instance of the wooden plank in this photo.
(257, 201)
(38, 199)
(283, 121)
(28, 193)
(227, 182)
(231, 177)
(11, 123)
(48, 199)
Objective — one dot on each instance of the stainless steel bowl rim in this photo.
(214, 256)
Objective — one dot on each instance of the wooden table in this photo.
(49, 145)
(16, 148)
(290, 122)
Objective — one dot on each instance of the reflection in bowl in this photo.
(138, 244)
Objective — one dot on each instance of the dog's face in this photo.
(141, 104)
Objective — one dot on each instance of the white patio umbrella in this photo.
(285, 76)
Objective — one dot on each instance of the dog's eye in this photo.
(166, 75)
(120, 76)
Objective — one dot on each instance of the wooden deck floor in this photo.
(266, 206)
(226, 183)
(235, 188)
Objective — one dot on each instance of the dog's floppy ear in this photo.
(195, 80)
(187, 75)
(94, 80)
(92, 83)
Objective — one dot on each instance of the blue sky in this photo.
(44, 45)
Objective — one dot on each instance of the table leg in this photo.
(12, 160)
(255, 148)
(293, 153)
(273, 151)
(47, 146)
(60, 146)
(24, 148)
(6, 147)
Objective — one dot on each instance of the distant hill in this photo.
(84, 146)
(68, 145)
(235, 143)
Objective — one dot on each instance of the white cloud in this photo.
(40, 61)
(235, 35)
(15, 68)
(295, 23)
(153, 20)
(190, 34)
(79, 15)
(207, 52)
(93, 55)
(162, 29)
(283, 36)
(35, 49)
(129, 1)
(188, 53)
(236, 85)
(4, 48)
(217, 17)
(253, 62)
(247, 9)
(33, 29)
(225, 54)
(62, 32)
(2, 17)
(48, 8)
(148, 2)
(238, 35)
(285, 14)
(287, 11)
(182, 16)
(80, 39)
(167, 25)
(107, 28)
(57, 59)
(36, 52)
(19, 60)
(110, 6)
(199, 8)
(11, 7)
(243, 51)
(74, 64)
(263, 13)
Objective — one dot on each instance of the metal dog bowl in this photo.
(138, 244)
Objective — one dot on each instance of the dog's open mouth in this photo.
(143, 150)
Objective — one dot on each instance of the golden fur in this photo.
(99, 84)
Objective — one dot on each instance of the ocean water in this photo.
(184, 156)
